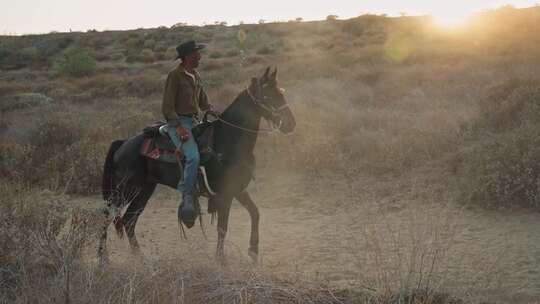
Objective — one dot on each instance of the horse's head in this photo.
(271, 100)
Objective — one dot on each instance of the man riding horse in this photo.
(184, 97)
(130, 176)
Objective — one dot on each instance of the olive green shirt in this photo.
(184, 94)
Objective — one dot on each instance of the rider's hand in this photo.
(213, 111)
(183, 134)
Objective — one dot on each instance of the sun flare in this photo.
(451, 17)
(449, 22)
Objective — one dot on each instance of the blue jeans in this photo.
(191, 153)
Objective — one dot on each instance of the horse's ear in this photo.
(264, 78)
(255, 87)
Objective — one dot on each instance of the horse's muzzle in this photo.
(288, 123)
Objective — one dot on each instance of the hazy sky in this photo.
(42, 16)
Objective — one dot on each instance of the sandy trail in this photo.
(346, 230)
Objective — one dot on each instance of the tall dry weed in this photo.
(43, 262)
(501, 170)
(417, 256)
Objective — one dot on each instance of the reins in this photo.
(264, 107)
(246, 129)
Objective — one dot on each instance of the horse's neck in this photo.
(241, 114)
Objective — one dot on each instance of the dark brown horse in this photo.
(130, 179)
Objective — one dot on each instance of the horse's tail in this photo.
(108, 185)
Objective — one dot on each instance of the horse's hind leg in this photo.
(245, 200)
(136, 207)
(109, 212)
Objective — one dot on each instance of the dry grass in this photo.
(43, 261)
(414, 257)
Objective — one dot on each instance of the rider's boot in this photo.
(187, 212)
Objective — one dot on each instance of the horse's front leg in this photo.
(224, 208)
(245, 200)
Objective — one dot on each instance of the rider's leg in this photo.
(191, 153)
(187, 211)
(171, 130)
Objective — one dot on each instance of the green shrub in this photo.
(135, 42)
(147, 55)
(149, 44)
(31, 53)
(216, 54)
(266, 50)
(160, 47)
(76, 62)
(171, 53)
(36, 50)
(118, 56)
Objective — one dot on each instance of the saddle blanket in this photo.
(151, 148)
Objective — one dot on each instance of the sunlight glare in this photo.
(449, 22)
(451, 17)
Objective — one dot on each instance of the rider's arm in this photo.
(168, 107)
(204, 105)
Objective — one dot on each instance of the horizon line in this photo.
(260, 21)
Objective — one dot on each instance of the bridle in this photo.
(269, 110)
(259, 102)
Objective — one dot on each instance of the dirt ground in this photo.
(349, 230)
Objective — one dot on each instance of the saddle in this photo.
(158, 146)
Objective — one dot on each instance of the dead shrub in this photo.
(511, 103)
(39, 255)
(60, 154)
(25, 100)
(502, 169)
(144, 85)
(11, 88)
(213, 65)
(102, 86)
